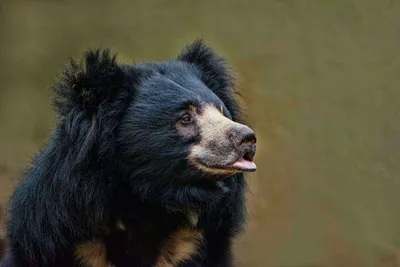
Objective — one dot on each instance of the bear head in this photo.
(168, 131)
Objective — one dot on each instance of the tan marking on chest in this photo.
(179, 247)
(92, 254)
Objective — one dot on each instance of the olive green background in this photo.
(320, 81)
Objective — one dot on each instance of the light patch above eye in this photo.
(192, 108)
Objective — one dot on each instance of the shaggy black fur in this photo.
(115, 156)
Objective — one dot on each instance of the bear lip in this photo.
(244, 164)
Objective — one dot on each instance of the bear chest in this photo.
(127, 248)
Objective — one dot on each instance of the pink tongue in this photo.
(244, 164)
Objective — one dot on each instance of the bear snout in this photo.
(225, 146)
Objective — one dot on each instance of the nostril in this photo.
(250, 139)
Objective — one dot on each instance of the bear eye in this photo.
(186, 119)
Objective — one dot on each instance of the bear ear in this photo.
(88, 84)
(214, 72)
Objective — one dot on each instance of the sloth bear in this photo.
(144, 167)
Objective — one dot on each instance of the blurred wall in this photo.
(320, 81)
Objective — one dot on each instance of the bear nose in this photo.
(242, 136)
